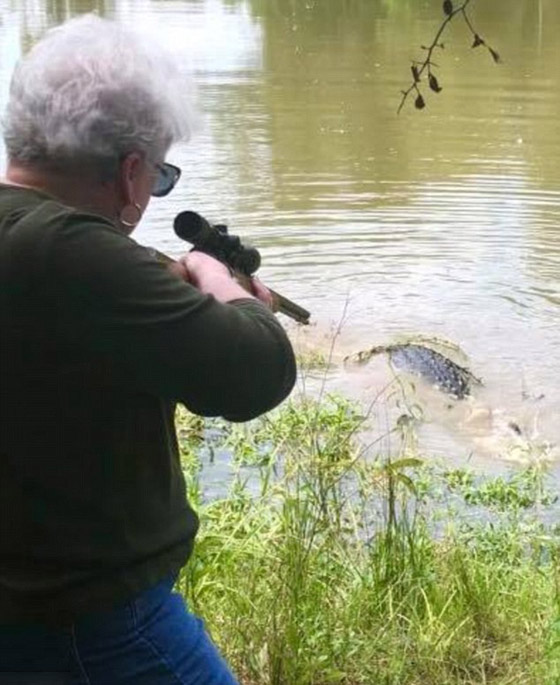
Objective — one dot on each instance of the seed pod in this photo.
(447, 7)
(495, 56)
(434, 85)
(415, 74)
(419, 102)
(477, 41)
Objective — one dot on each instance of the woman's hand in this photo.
(262, 293)
(213, 277)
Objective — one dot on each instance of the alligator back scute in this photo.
(433, 367)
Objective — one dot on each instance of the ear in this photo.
(128, 171)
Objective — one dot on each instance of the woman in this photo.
(99, 341)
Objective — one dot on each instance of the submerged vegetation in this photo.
(324, 561)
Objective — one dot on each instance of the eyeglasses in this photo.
(166, 179)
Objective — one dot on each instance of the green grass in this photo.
(327, 563)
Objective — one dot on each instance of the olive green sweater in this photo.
(98, 342)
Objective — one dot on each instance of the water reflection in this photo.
(58, 11)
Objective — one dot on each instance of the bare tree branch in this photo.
(418, 68)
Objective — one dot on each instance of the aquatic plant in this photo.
(329, 562)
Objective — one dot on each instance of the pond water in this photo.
(440, 222)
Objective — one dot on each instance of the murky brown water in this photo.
(441, 222)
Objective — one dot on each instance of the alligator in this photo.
(427, 363)
(417, 356)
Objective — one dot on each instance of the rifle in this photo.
(242, 260)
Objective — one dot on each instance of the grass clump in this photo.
(326, 563)
(522, 490)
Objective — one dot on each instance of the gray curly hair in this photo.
(91, 91)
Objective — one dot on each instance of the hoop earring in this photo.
(130, 224)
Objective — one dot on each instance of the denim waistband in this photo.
(122, 617)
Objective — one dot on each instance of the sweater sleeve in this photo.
(115, 301)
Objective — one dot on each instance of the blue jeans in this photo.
(151, 640)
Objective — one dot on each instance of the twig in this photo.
(418, 68)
